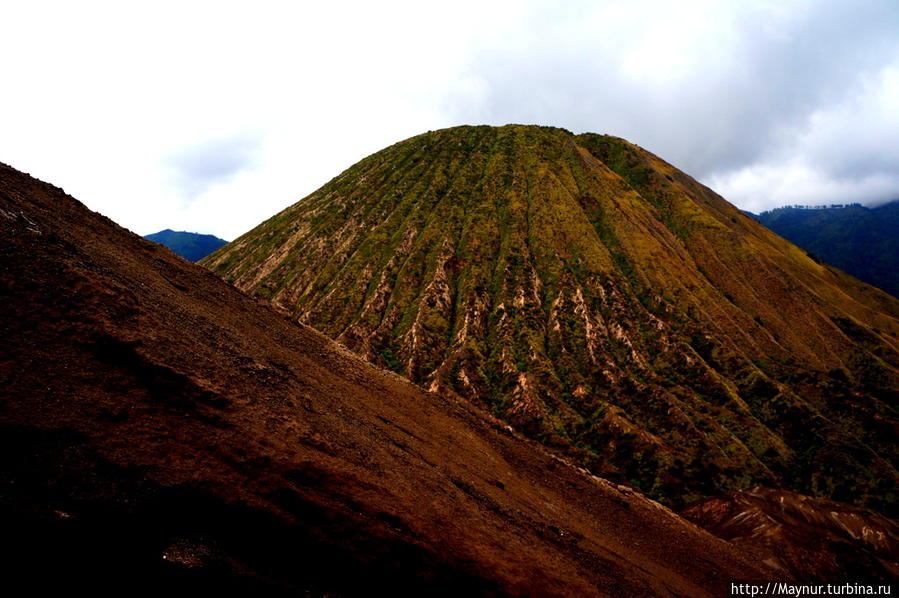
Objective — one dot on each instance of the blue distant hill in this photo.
(861, 241)
(190, 246)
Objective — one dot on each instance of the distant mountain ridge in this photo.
(191, 246)
(861, 241)
(600, 301)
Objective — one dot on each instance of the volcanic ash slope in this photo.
(161, 431)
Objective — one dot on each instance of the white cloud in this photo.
(845, 152)
(212, 116)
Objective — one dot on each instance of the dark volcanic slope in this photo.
(164, 431)
(862, 241)
(601, 301)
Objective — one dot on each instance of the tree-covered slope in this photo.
(191, 246)
(601, 301)
(862, 241)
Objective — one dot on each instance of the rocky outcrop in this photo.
(812, 540)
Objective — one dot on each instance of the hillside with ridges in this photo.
(601, 301)
(163, 433)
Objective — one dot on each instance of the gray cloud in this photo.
(716, 90)
(196, 168)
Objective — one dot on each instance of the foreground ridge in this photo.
(162, 431)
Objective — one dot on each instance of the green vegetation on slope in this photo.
(600, 301)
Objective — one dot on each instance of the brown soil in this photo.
(161, 430)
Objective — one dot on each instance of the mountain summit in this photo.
(601, 301)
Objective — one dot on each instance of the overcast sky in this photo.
(211, 117)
